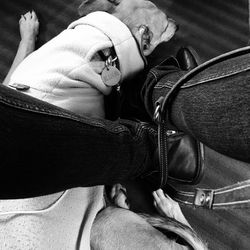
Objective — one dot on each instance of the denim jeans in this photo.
(45, 149)
(213, 106)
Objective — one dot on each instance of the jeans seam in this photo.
(31, 107)
(192, 83)
(155, 74)
(36, 109)
(167, 83)
(213, 77)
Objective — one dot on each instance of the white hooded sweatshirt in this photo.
(66, 71)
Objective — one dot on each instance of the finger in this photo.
(34, 14)
(169, 198)
(155, 204)
(112, 192)
(161, 194)
(27, 15)
(22, 18)
(156, 197)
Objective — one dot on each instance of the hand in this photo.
(168, 207)
(29, 27)
(164, 204)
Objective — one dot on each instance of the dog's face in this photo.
(148, 23)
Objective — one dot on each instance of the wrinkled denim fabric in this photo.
(45, 149)
(214, 106)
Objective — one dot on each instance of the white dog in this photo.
(80, 65)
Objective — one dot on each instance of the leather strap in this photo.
(162, 144)
(206, 198)
(232, 196)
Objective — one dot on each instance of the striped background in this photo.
(211, 27)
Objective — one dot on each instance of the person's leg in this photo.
(42, 154)
(45, 149)
(214, 106)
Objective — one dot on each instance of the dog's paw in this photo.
(29, 26)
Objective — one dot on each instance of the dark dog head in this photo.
(149, 25)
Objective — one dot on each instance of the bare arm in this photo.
(28, 25)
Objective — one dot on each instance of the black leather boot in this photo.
(185, 163)
(187, 58)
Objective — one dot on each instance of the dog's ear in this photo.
(88, 6)
(149, 39)
(145, 35)
(170, 30)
